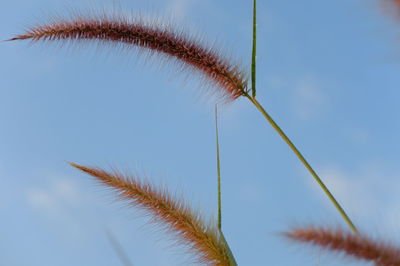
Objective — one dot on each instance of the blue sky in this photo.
(328, 72)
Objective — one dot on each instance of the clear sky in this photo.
(328, 72)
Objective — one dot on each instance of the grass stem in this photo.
(230, 254)
(118, 249)
(254, 52)
(305, 163)
(218, 171)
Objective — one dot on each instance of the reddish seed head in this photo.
(215, 68)
(357, 246)
(175, 215)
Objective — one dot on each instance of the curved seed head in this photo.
(354, 245)
(203, 239)
(227, 76)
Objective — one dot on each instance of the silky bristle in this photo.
(354, 245)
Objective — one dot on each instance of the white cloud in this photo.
(370, 193)
(53, 199)
(178, 9)
(308, 99)
(58, 203)
(41, 199)
(66, 190)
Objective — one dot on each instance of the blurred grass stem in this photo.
(118, 248)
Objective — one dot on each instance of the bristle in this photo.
(219, 70)
(203, 239)
(354, 245)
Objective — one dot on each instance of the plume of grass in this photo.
(354, 245)
(202, 239)
(218, 170)
(171, 43)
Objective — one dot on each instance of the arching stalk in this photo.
(218, 171)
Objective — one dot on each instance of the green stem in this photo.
(304, 161)
(218, 171)
(230, 254)
(254, 52)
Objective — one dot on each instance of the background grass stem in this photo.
(218, 171)
(118, 248)
(254, 51)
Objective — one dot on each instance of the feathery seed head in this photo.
(355, 245)
(203, 239)
(175, 45)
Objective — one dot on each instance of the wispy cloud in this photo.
(179, 9)
(308, 98)
(370, 193)
(52, 199)
(57, 202)
(41, 200)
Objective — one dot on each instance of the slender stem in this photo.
(118, 249)
(218, 171)
(304, 161)
(230, 254)
(254, 52)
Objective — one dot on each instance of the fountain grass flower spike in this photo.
(228, 77)
(203, 239)
(354, 245)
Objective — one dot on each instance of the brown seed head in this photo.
(176, 216)
(162, 40)
(355, 245)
